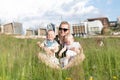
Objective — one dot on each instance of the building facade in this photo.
(104, 21)
(41, 32)
(13, 28)
(87, 28)
(30, 32)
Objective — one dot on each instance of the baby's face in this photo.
(69, 40)
(51, 35)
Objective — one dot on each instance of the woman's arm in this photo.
(61, 51)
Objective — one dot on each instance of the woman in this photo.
(64, 29)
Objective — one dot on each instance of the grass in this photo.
(102, 63)
(18, 61)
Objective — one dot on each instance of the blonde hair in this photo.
(59, 35)
(62, 23)
(68, 36)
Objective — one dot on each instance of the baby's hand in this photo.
(73, 49)
(38, 43)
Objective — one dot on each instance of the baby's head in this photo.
(68, 39)
(50, 35)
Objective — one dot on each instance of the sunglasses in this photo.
(64, 29)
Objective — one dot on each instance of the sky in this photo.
(33, 13)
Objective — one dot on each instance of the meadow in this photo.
(18, 61)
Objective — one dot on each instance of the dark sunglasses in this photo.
(64, 29)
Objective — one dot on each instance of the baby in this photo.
(71, 48)
(50, 46)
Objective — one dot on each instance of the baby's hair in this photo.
(69, 36)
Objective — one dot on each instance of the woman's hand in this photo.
(62, 50)
(60, 54)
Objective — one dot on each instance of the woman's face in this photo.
(64, 29)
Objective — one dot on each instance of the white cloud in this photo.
(34, 12)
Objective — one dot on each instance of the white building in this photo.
(94, 27)
(87, 28)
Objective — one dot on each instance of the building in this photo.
(78, 29)
(113, 23)
(87, 28)
(13, 28)
(41, 32)
(118, 19)
(30, 32)
(104, 21)
(94, 27)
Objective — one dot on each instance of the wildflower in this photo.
(91, 78)
(114, 77)
(68, 79)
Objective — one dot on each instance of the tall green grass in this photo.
(102, 63)
(18, 61)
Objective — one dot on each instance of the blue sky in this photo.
(110, 8)
(39, 12)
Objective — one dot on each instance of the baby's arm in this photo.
(77, 50)
(41, 45)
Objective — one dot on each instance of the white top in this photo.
(74, 44)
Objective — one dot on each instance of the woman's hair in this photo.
(64, 22)
(59, 34)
